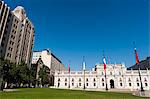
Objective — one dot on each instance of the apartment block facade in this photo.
(18, 39)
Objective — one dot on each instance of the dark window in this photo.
(120, 84)
(138, 84)
(129, 84)
(146, 84)
(65, 84)
(102, 84)
(94, 84)
(87, 84)
(79, 84)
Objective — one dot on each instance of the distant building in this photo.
(118, 77)
(18, 36)
(49, 60)
(143, 65)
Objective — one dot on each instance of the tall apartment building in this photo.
(18, 41)
(4, 13)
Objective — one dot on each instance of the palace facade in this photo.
(117, 77)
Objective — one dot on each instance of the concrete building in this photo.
(18, 39)
(4, 13)
(49, 60)
(118, 77)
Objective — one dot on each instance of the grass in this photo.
(47, 93)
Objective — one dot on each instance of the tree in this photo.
(44, 75)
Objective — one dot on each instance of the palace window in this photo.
(65, 79)
(58, 79)
(94, 84)
(87, 84)
(94, 80)
(145, 79)
(120, 80)
(87, 79)
(110, 73)
(102, 84)
(72, 80)
(102, 73)
(138, 84)
(65, 84)
(79, 84)
(102, 79)
(130, 84)
(137, 79)
(129, 79)
(72, 84)
(146, 84)
(79, 79)
(120, 84)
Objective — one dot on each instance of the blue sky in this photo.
(76, 28)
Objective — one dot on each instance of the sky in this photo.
(72, 29)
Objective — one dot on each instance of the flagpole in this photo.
(137, 63)
(69, 75)
(105, 70)
(84, 72)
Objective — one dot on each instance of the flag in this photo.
(84, 64)
(136, 56)
(104, 62)
(69, 68)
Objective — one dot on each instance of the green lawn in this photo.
(47, 93)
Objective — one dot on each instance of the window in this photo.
(129, 79)
(102, 73)
(72, 79)
(79, 84)
(94, 80)
(65, 84)
(146, 84)
(138, 84)
(94, 84)
(65, 79)
(120, 84)
(102, 84)
(87, 84)
(120, 80)
(130, 84)
(87, 79)
(102, 79)
(145, 79)
(79, 79)
(58, 79)
(110, 73)
(137, 79)
(72, 84)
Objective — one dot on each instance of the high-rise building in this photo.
(18, 39)
(4, 13)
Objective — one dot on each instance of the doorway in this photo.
(112, 84)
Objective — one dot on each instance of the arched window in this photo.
(79, 79)
(102, 79)
(94, 80)
(87, 79)
(120, 80)
(72, 79)
(145, 79)
(110, 73)
(129, 79)
(137, 79)
(65, 79)
(58, 79)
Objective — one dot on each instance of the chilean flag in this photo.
(104, 62)
(136, 56)
(69, 68)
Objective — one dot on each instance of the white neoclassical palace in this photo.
(117, 77)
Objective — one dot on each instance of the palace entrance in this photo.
(112, 83)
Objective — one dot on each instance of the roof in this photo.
(144, 64)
